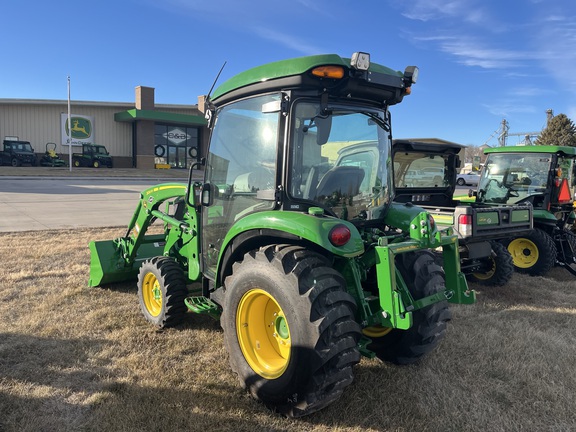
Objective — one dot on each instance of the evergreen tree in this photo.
(559, 131)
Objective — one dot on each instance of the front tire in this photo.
(499, 267)
(96, 164)
(423, 277)
(161, 291)
(534, 254)
(289, 329)
(460, 182)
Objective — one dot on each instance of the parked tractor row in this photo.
(297, 238)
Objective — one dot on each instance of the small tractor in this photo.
(50, 157)
(292, 239)
(543, 176)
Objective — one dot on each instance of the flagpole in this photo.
(69, 128)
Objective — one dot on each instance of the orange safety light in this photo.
(336, 72)
(564, 195)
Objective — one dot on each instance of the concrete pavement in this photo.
(96, 198)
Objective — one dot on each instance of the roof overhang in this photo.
(134, 115)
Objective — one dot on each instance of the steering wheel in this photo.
(513, 193)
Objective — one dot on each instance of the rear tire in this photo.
(423, 278)
(76, 163)
(161, 291)
(15, 162)
(500, 268)
(289, 329)
(534, 254)
(460, 182)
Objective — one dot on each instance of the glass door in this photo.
(177, 157)
(181, 157)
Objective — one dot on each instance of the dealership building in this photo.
(137, 135)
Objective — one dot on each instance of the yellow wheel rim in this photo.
(376, 331)
(263, 334)
(524, 252)
(487, 275)
(152, 294)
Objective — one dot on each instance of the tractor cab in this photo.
(315, 142)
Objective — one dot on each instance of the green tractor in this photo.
(292, 238)
(543, 176)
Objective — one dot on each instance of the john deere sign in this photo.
(81, 131)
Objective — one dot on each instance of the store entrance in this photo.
(177, 157)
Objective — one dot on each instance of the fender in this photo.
(314, 229)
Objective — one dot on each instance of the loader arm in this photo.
(147, 210)
(119, 259)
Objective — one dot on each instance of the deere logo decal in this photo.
(81, 128)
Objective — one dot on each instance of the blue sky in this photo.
(480, 61)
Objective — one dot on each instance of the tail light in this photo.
(465, 224)
(339, 235)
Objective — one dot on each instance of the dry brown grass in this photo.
(75, 358)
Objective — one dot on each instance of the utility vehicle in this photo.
(292, 239)
(544, 177)
(92, 155)
(16, 152)
(479, 226)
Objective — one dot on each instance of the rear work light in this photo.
(335, 72)
(339, 235)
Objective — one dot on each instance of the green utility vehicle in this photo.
(303, 256)
(480, 226)
(544, 177)
(92, 155)
(16, 152)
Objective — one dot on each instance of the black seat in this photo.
(344, 180)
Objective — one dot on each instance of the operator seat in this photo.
(345, 180)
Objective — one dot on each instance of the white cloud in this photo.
(470, 52)
(289, 41)
(506, 108)
(430, 10)
(527, 91)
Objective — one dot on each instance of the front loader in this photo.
(292, 239)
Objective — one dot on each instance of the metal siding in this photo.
(40, 124)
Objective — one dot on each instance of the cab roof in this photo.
(568, 151)
(293, 73)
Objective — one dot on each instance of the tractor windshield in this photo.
(339, 158)
(512, 178)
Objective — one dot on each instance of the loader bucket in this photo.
(107, 265)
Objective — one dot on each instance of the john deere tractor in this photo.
(544, 177)
(292, 239)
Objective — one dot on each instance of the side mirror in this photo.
(208, 194)
(191, 194)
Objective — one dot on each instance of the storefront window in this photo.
(177, 146)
